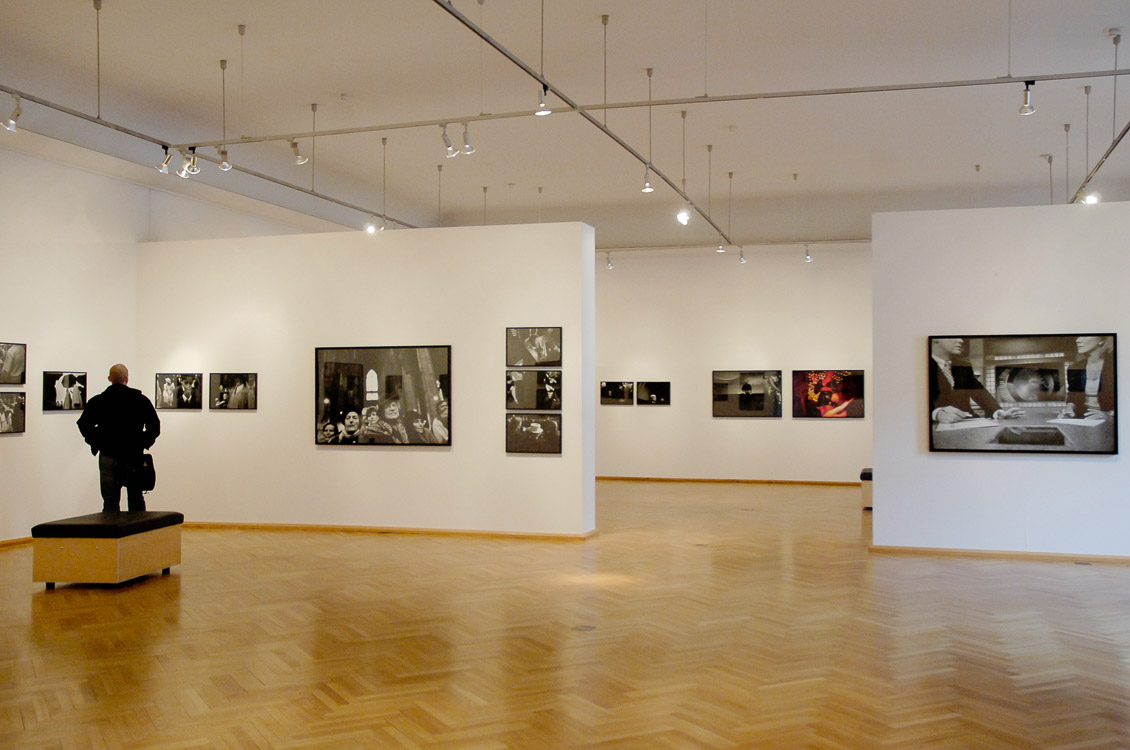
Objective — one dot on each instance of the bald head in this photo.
(119, 375)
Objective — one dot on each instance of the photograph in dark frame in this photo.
(179, 390)
(533, 433)
(233, 390)
(1035, 393)
(827, 394)
(64, 391)
(653, 392)
(533, 389)
(13, 408)
(746, 393)
(383, 395)
(13, 364)
(617, 392)
(533, 347)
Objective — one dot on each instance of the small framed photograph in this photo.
(64, 391)
(653, 393)
(617, 392)
(747, 393)
(179, 390)
(233, 390)
(825, 394)
(13, 358)
(12, 408)
(533, 347)
(533, 389)
(533, 433)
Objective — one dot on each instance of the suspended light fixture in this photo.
(299, 159)
(543, 110)
(721, 247)
(1092, 198)
(683, 215)
(741, 256)
(193, 167)
(371, 225)
(608, 257)
(163, 167)
(647, 188)
(384, 182)
(10, 123)
(807, 255)
(1026, 108)
(452, 152)
(225, 165)
(468, 149)
(186, 163)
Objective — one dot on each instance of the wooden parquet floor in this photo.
(701, 616)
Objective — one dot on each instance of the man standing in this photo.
(119, 424)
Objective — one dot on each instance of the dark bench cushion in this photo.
(107, 525)
(865, 475)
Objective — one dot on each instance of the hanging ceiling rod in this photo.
(1098, 165)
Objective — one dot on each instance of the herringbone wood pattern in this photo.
(702, 616)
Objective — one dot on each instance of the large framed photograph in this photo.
(383, 395)
(533, 347)
(12, 412)
(1038, 393)
(64, 391)
(617, 392)
(533, 389)
(233, 390)
(533, 433)
(747, 393)
(179, 390)
(824, 394)
(653, 392)
(13, 358)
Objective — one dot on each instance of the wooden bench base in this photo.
(79, 559)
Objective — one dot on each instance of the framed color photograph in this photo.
(179, 390)
(1040, 393)
(825, 394)
(747, 393)
(533, 389)
(533, 347)
(617, 392)
(533, 433)
(13, 358)
(653, 392)
(383, 395)
(233, 390)
(12, 412)
(64, 391)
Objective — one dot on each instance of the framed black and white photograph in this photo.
(383, 395)
(533, 347)
(533, 389)
(827, 394)
(12, 412)
(746, 393)
(533, 433)
(653, 393)
(13, 360)
(1036, 393)
(617, 392)
(179, 390)
(233, 390)
(64, 391)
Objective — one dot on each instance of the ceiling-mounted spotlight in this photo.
(186, 164)
(721, 247)
(1026, 108)
(371, 225)
(225, 165)
(647, 188)
(14, 118)
(452, 152)
(542, 109)
(1092, 198)
(163, 167)
(193, 166)
(468, 149)
(299, 159)
(684, 216)
(741, 256)
(384, 225)
(608, 257)
(807, 255)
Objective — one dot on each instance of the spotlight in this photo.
(452, 152)
(193, 167)
(163, 167)
(10, 123)
(384, 224)
(543, 110)
(647, 188)
(608, 257)
(807, 255)
(721, 247)
(371, 225)
(299, 159)
(225, 165)
(468, 149)
(186, 164)
(1092, 198)
(1027, 108)
(684, 216)
(741, 256)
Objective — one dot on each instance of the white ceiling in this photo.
(369, 63)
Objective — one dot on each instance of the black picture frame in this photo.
(233, 391)
(533, 347)
(13, 364)
(828, 394)
(383, 395)
(653, 392)
(533, 432)
(617, 392)
(533, 389)
(64, 390)
(1023, 393)
(13, 412)
(179, 390)
(746, 393)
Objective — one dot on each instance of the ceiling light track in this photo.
(1098, 165)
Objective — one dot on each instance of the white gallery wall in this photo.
(1045, 269)
(679, 315)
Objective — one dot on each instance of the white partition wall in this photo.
(1050, 269)
(262, 305)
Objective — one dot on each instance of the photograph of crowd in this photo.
(533, 389)
(233, 390)
(12, 360)
(64, 391)
(747, 393)
(617, 392)
(179, 390)
(12, 407)
(383, 395)
(533, 347)
(825, 394)
(533, 433)
(653, 392)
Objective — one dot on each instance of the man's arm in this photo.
(88, 425)
(151, 421)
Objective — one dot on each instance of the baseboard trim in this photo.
(1000, 554)
(388, 530)
(15, 542)
(805, 482)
